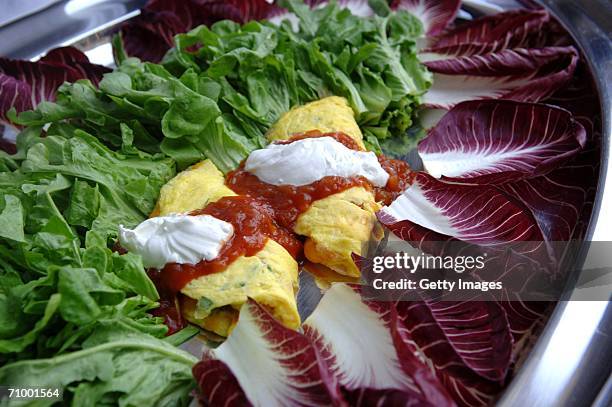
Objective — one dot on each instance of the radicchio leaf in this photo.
(14, 93)
(70, 57)
(360, 343)
(272, 364)
(469, 344)
(356, 341)
(527, 75)
(386, 397)
(459, 337)
(581, 98)
(150, 35)
(435, 15)
(522, 315)
(492, 142)
(561, 200)
(511, 29)
(243, 11)
(471, 391)
(217, 385)
(24, 84)
(478, 214)
(555, 199)
(435, 217)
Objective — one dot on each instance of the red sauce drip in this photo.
(168, 305)
(253, 226)
(400, 178)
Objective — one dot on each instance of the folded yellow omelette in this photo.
(343, 223)
(213, 301)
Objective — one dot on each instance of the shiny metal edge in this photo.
(572, 358)
(82, 36)
(61, 24)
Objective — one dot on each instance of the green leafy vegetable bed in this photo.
(220, 89)
(73, 313)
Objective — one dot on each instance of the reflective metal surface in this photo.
(572, 359)
(13, 10)
(63, 23)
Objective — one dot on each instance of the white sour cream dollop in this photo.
(305, 161)
(179, 239)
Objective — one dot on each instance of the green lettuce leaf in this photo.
(116, 366)
(59, 211)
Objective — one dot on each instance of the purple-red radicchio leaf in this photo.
(492, 142)
(43, 77)
(70, 57)
(432, 214)
(465, 336)
(360, 343)
(272, 364)
(24, 84)
(527, 75)
(469, 343)
(507, 30)
(217, 385)
(385, 397)
(479, 214)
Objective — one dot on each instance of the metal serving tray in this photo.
(571, 361)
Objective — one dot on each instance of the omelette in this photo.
(192, 189)
(333, 228)
(342, 223)
(213, 301)
(331, 114)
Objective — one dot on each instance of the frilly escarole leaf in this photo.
(223, 85)
(141, 106)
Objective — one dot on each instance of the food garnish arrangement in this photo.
(177, 201)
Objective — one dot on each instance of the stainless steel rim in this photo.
(572, 358)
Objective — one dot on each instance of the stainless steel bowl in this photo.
(571, 361)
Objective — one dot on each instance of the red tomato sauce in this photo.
(400, 178)
(253, 226)
(287, 202)
(168, 304)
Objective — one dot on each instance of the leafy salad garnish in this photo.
(63, 293)
(218, 91)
